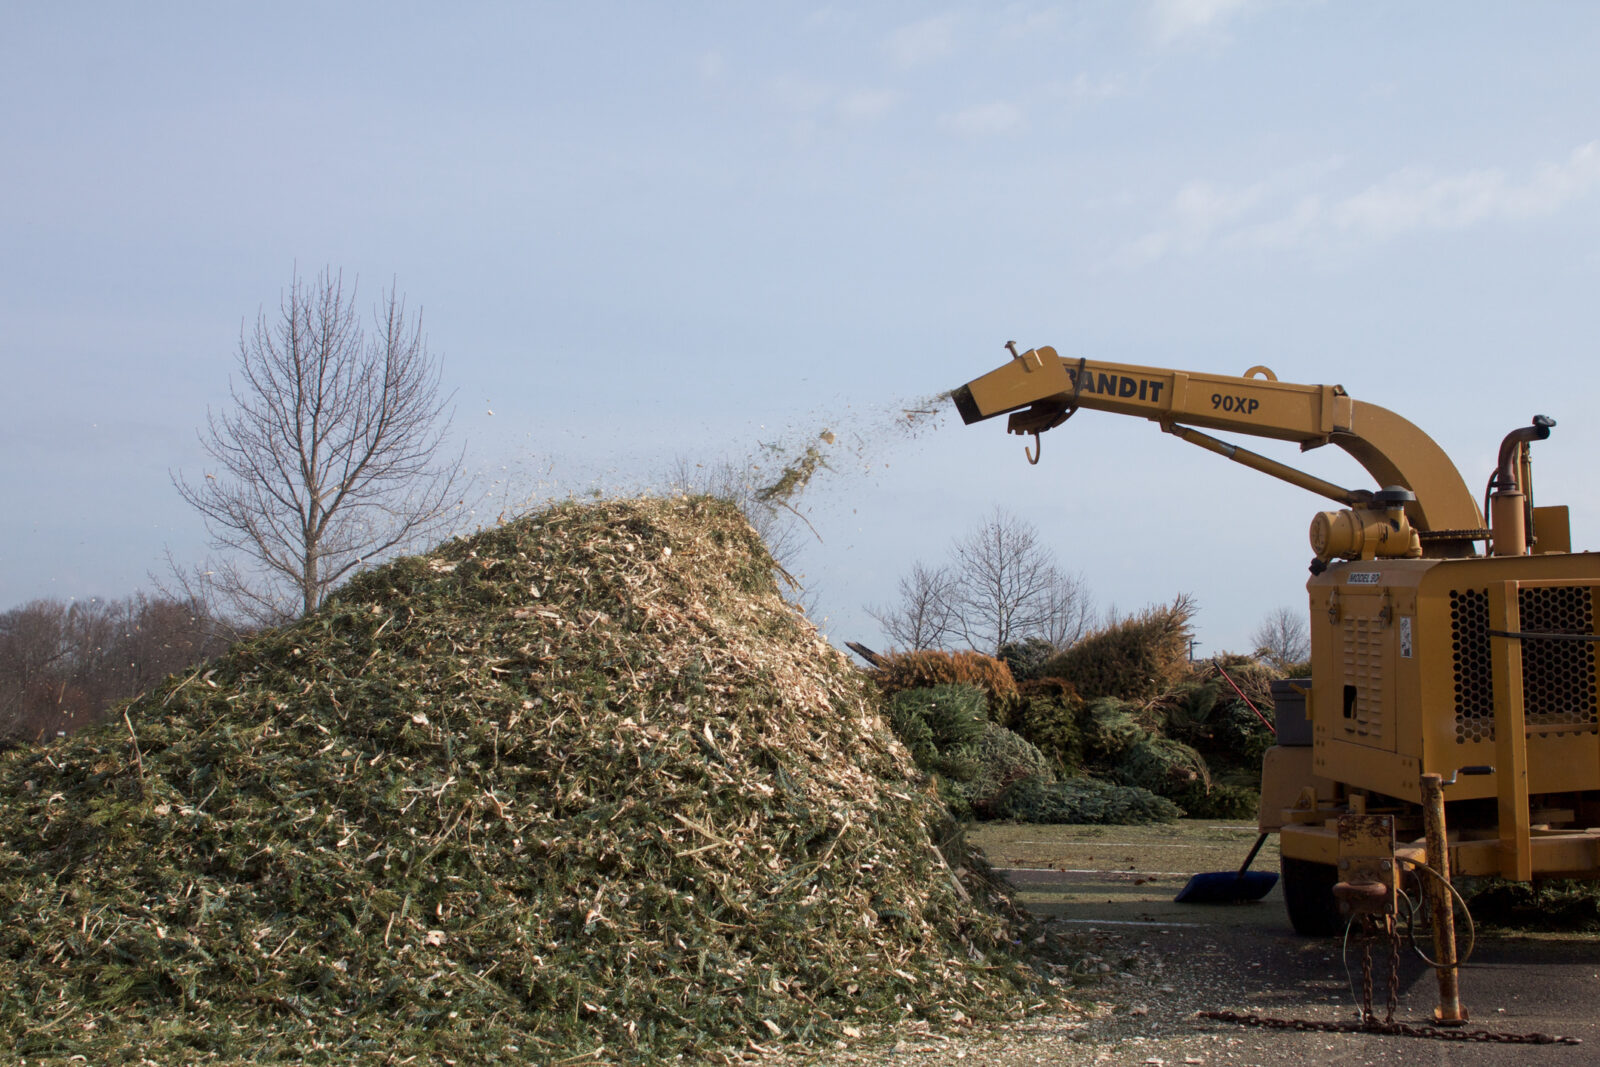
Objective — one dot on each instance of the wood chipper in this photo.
(1453, 682)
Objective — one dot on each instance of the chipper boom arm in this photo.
(1450, 721)
(1040, 390)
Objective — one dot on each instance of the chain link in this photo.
(1368, 927)
(1366, 976)
(1369, 1023)
(1372, 1026)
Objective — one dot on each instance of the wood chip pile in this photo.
(581, 786)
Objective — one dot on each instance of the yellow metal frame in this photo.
(1383, 702)
(1393, 450)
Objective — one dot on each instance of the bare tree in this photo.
(33, 648)
(1002, 586)
(63, 665)
(1069, 611)
(330, 455)
(1007, 586)
(924, 616)
(1282, 639)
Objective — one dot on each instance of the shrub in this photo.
(1217, 801)
(920, 670)
(1186, 711)
(1002, 758)
(1082, 801)
(954, 714)
(1110, 728)
(1047, 714)
(1026, 658)
(1163, 766)
(1209, 715)
(1136, 658)
(941, 726)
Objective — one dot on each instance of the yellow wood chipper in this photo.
(1451, 656)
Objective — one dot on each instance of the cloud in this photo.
(712, 66)
(1175, 19)
(832, 19)
(1086, 89)
(1281, 213)
(801, 95)
(919, 43)
(817, 100)
(1020, 24)
(865, 105)
(986, 120)
(1415, 199)
(1201, 208)
(1199, 211)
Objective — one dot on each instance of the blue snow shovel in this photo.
(1229, 887)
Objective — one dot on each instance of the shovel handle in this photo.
(1248, 860)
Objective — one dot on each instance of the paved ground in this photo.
(1166, 962)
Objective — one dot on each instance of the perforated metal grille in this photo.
(1469, 626)
(1558, 677)
(1363, 664)
(1558, 687)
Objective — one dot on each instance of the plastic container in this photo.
(1289, 708)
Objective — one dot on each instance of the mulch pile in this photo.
(582, 788)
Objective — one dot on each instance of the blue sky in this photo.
(642, 233)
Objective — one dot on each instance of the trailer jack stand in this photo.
(1441, 904)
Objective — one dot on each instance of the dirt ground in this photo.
(1161, 963)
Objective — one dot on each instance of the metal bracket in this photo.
(1367, 879)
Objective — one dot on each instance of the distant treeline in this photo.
(65, 665)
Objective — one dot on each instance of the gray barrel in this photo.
(1289, 706)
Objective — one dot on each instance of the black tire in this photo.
(1308, 897)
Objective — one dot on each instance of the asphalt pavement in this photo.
(1173, 961)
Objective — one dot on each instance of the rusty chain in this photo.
(1366, 978)
(1368, 927)
(1369, 1023)
(1439, 1033)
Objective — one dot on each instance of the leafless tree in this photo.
(33, 647)
(1282, 639)
(62, 665)
(1002, 585)
(331, 454)
(1068, 610)
(1009, 587)
(924, 616)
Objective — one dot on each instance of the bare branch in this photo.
(331, 456)
(63, 664)
(1002, 586)
(925, 614)
(1283, 639)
